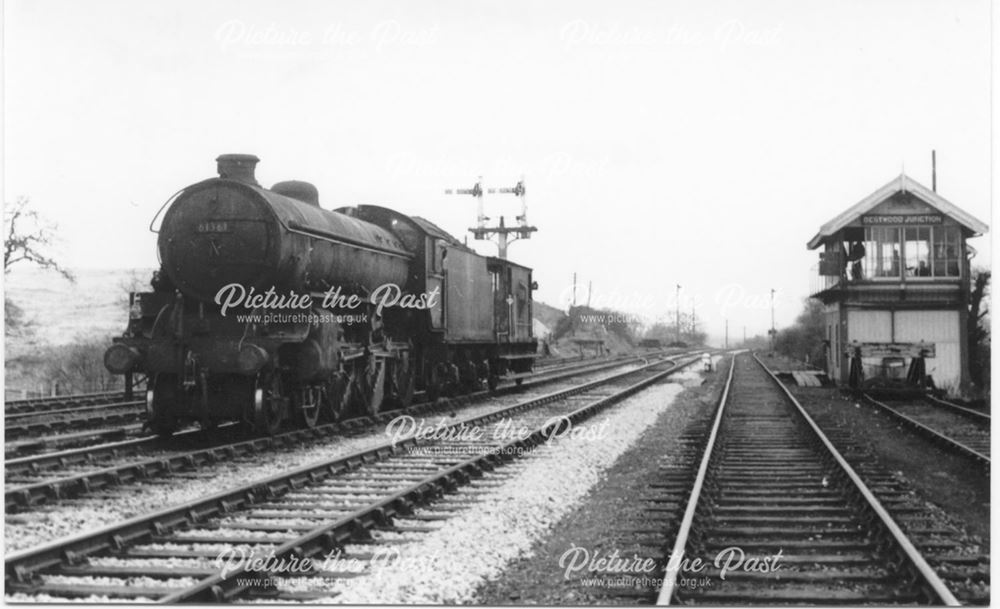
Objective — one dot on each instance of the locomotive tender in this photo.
(350, 311)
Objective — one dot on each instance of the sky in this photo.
(662, 143)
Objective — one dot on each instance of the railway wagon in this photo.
(269, 309)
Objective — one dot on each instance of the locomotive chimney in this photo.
(239, 167)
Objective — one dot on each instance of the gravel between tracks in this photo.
(450, 563)
(48, 523)
(939, 476)
(945, 479)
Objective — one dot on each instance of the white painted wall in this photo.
(941, 328)
(938, 327)
(869, 326)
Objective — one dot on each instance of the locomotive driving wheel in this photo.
(268, 405)
(159, 398)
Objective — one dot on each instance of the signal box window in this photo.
(918, 251)
(947, 246)
(912, 251)
(882, 252)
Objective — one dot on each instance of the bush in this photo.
(77, 367)
(806, 339)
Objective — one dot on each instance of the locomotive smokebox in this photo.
(227, 232)
(239, 167)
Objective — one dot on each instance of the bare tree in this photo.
(78, 367)
(28, 236)
(979, 329)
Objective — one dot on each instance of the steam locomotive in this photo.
(270, 310)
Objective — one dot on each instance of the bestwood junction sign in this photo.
(888, 219)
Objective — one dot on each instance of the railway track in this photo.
(59, 402)
(771, 485)
(962, 562)
(26, 425)
(41, 479)
(957, 429)
(81, 411)
(41, 434)
(344, 505)
(87, 401)
(48, 443)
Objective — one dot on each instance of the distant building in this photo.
(894, 269)
(596, 345)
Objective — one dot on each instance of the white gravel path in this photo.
(22, 531)
(447, 565)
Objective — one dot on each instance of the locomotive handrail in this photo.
(169, 200)
(309, 231)
(291, 226)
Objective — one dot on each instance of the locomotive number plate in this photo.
(213, 227)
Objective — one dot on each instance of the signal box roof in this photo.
(901, 184)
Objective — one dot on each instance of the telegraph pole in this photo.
(678, 312)
(773, 332)
(727, 334)
(481, 231)
(934, 170)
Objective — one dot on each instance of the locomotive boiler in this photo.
(268, 308)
